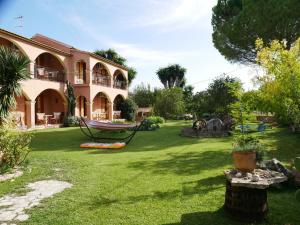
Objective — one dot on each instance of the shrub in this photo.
(169, 102)
(128, 109)
(246, 143)
(71, 121)
(156, 119)
(14, 148)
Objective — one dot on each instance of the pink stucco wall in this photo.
(61, 56)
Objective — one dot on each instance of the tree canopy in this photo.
(280, 86)
(238, 23)
(172, 76)
(143, 95)
(112, 55)
(169, 102)
(219, 97)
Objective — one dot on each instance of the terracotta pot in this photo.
(245, 161)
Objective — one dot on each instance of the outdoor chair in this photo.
(56, 117)
(40, 118)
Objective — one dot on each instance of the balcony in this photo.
(80, 78)
(120, 84)
(102, 80)
(50, 74)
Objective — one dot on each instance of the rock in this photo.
(296, 178)
(276, 165)
(255, 178)
(238, 175)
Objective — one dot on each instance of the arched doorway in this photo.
(48, 67)
(49, 107)
(101, 75)
(81, 107)
(19, 114)
(101, 107)
(119, 80)
(119, 99)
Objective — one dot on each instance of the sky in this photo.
(149, 33)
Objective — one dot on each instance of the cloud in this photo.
(137, 55)
(175, 14)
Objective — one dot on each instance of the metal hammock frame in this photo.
(98, 139)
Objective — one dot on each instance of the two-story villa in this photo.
(99, 84)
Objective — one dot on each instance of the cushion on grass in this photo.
(103, 145)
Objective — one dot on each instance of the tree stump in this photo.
(246, 204)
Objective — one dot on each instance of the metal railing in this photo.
(47, 73)
(79, 78)
(101, 80)
(120, 84)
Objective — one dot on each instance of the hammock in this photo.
(92, 124)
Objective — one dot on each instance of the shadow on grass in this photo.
(69, 139)
(202, 187)
(185, 163)
(282, 144)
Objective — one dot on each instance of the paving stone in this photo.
(14, 206)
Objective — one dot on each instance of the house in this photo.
(99, 84)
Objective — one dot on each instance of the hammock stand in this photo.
(84, 123)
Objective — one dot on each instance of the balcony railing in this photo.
(51, 74)
(120, 84)
(79, 78)
(101, 80)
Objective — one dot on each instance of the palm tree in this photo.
(13, 69)
(172, 76)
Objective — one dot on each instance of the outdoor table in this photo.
(46, 119)
(246, 193)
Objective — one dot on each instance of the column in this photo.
(89, 109)
(31, 69)
(30, 113)
(110, 111)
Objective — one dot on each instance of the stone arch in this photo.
(50, 102)
(101, 109)
(50, 67)
(120, 80)
(101, 74)
(14, 43)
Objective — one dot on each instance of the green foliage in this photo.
(238, 23)
(219, 98)
(149, 125)
(71, 121)
(112, 55)
(297, 163)
(156, 119)
(169, 102)
(280, 87)
(71, 100)
(128, 109)
(143, 96)
(13, 70)
(14, 147)
(246, 143)
(298, 195)
(172, 76)
(131, 74)
(188, 98)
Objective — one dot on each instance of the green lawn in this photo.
(160, 178)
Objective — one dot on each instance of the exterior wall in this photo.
(57, 100)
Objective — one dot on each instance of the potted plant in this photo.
(246, 150)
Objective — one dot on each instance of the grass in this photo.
(159, 178)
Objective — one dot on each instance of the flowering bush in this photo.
(14, 148)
